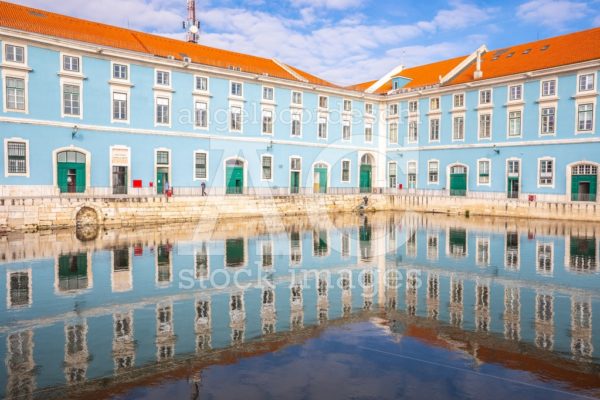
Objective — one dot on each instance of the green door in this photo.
(162, 177)
(71, 177)
(320, 184)
(583, 187)
(513, 187)
(235, 179)
(365, 178)
(294, 182)
(458, 181)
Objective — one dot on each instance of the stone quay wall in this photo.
(42, 213)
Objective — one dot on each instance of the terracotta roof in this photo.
(553, 52)
(46, 23)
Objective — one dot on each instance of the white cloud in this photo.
(461, 15)
(552, 13)
(330, 4)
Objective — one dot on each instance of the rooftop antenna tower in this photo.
(192, 25)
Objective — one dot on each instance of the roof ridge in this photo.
(290, 70)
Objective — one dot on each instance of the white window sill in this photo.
(582, 95)
(118, 82)
(17, 66)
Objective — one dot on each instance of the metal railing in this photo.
(583, 197)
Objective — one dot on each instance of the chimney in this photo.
(478, 74)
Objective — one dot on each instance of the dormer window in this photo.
(120, 71)
(236, 89)
(71, 63)
(14, 54)
(163, 78)
(515, 93)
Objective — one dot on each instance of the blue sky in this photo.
(347, 41)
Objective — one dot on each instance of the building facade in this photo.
(90, 108)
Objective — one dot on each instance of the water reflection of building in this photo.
(544, 321)
(165, 331)
(433, 296)
(76, 352)
(20, 366)
(512, 313)
(322, 298)
(237, 317)
(201, 262)
(19, 289)
(512, 251)
(73, 273)
(123, 341)
(297, 307)
(482, 307)
(456, 245)
(268, 314)
(456, 301)
(295, 248)
(122, 274)
(203, 327)
(581, 253)
(164, 265)
(581, 328)
(412, 285)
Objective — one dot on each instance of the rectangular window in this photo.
(15, 93)
(548, 121)
(200, 165)
(393, 110)
(297, 98)
(413, 131)
(345, 171)
(369, 108)
(348, 105)
(393, 132)
(513, 168)
(458, 131)
(586, 82)
(162, 110)
(322, 128)
(546, 177)
(459, 100)
(484, 172)
(71, 63)
(71, 100)
(368, 133)
(15, 54)
(236, 119)
(585, 117)
(162, 157)
(120, 106)
(201, 114)
(514, 123)
(434, 104)
(392, 174)
(485, 96)
(485, 126)
(267, 168)
(268, 93)
(296, 164)
(434, 129)
(323, 101)
(433, 174)
(17, 157)
(296, 124)
(549, 88)
(120, 71)
(515, 93)
(236, 89)
(163, 78)
(202, 83)
(267, 122)
(346, 130)
(413, 106)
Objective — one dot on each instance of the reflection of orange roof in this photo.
(27, 19)
(557, 51)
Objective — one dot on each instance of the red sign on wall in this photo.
(137, 183)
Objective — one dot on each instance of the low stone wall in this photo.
(65, 211)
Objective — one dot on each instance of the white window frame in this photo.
(489, 161)
(521, 93)
(390, 139)
(169, 169)
(369, 108)
(454, 116)
(346, 122)
(409, 137)
(262, 177)
(389, 174)
(438, 101)
(5, 44)
(508, 111)
(413, 106)
(301, 95)
(263, 113)
(203, 100)
(539, 165)
(27, 163)
(71, 82)
(539, 243)
(162, 85)
(438, 130)
(479, 131)
(464, 100)
(478, 260)
(409, 164)
(546, 96)
(112, 71)
(162, 96)
(344, 103)
(578, 103)
(488, 103)
(126, 92)
(262, 94)
(342, 170)
(319, 137)
(584, 74)
(541, 116)
(319, 106)
(368, 125)
(392, 110)
(17, 75)
(241, 86)
(206, 154)
(230, 116)
(429, 181)
(67, 71)
(299, 114)
(196, 78)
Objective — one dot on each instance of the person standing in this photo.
(203, 185)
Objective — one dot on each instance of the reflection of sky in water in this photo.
(360, 361)
(506, 309)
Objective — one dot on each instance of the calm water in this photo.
(382, 306)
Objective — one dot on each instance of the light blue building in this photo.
(95, 109)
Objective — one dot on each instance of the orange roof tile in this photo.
(32, 20)
(553, 52)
